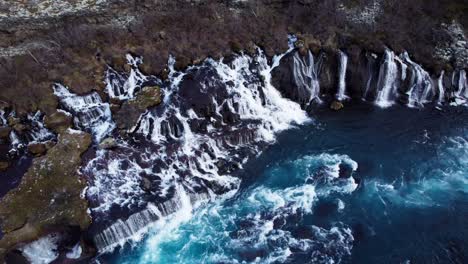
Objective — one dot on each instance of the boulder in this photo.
(4, 165)
(336, 105)
(37, 149)
(128, 114)
(58, 121)
(108, 143)
(4, 132)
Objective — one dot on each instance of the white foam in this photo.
(75, 252)
(41, 251)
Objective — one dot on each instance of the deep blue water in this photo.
(301, 202)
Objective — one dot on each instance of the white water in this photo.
(123, 86)
(89, 112)
(341, 94)
(441, 89)
(305, 73)
(37, 131)
(75, 252)
(387, 82)
(461, 85)
(265, 213)
(421, 86)
(41, 251)
(117, 173)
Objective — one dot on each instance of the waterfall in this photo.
(441, 89)
(214, 117)
(37, 132)
(462, 91)
(421, 86)
(90, 113)
(305, 75)
(136, 225)
(387, 81)
(340, 95)
(124, 86)
(371, 58)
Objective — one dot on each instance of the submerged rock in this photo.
(51, 183)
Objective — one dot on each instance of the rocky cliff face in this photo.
(48, 45)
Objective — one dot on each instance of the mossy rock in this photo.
(49, 193)
(130, 111)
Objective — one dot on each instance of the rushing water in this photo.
(364, 185)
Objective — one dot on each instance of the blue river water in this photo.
(361, 185)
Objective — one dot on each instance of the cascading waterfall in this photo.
(89, 111)
(215, 115)
(124, 86)
(462, 86)
(387, 81)
(305, 73)
(441, 89)
(341, 94)
(34, 131)
(421, 87)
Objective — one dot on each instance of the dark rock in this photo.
(146, 184)
(4, 132)
(20, 128)
(128, 114)
(37, 149)
(58, 121)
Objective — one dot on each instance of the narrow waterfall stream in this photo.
(341, 94)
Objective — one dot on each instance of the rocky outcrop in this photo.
(127, 115)
(58, 121)
(49, 194)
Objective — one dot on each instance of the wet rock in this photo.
(20, 128)
(128, 114)
(58, 121)
(51, 182)
(108, 143)
(12, 121)
(4, 132)
(146, 184)
(37, 149)
(4, 165)
(336, 105)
